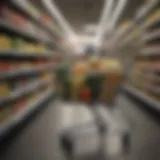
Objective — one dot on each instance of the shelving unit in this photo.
(151, 51)
(143, 97)
(138, 20)
(24, 91)
(24, 55)
(22, 72)
(151, 35)
(27, 64)
(144, 80)
(23, 6)
(22, 115)
(23, 33)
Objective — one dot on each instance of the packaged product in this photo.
(19, 45)
(63, 77)
(153, 18)
(26, 65)
(46, 76)
(113, 77)
(29, 98)
(4, 89)
(33, 10)
(5, 42)
(78, 76)
(5, 114)
(19, 105)
(6, 66)
(3, 9)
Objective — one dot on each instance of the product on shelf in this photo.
(13, 65)
(2, 11)
(18, 44)
(33, 10)
(144, 76)
(49, 22)
(22, 82)
(5, 42)
(19, 105)
(13, 42)
(5, 114)
(154, 17)
(16, 20)
(6, 66)
(4, 89)
(46, 76)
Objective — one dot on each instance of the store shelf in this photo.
(143, 97)
(139, 18)
(23, 33)
(24, 6)
(22, 115)
(151, 22)
(22, 72)
(151, 36)
(151, 51)
(145, 10)
(22, 55)
(24, 91)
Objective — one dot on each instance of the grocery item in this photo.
(85, 95)
(112, 79)
(153, 18)
(78, 75)
(4, 89)
(6, 66)
(33, 10)
(46, 76)
(62, 74)
(92, 79)
(5, 114)
(19, 45)
(5, 42)
(19, 105)
(94, 83)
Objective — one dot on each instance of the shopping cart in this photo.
(89, 140)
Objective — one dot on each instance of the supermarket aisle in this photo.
(39, 141)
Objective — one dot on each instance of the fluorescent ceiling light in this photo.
(117, 13)
(51, 6)
(90, 28)
(104, 17)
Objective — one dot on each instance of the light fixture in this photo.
(108, 21)
(90, 28)
(104, 17)
(51, 6)
(116, 15)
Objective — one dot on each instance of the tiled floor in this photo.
(38, 141)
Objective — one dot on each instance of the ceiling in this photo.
(81, 12)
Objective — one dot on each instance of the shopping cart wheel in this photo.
(67, 146)
(126, 141)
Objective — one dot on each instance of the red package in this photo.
(19, 104)
(86, 95)
(3, 10)
(5, 66)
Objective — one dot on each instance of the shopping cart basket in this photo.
(94, 139)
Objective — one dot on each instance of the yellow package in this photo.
(5, 42)
(4, 89)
